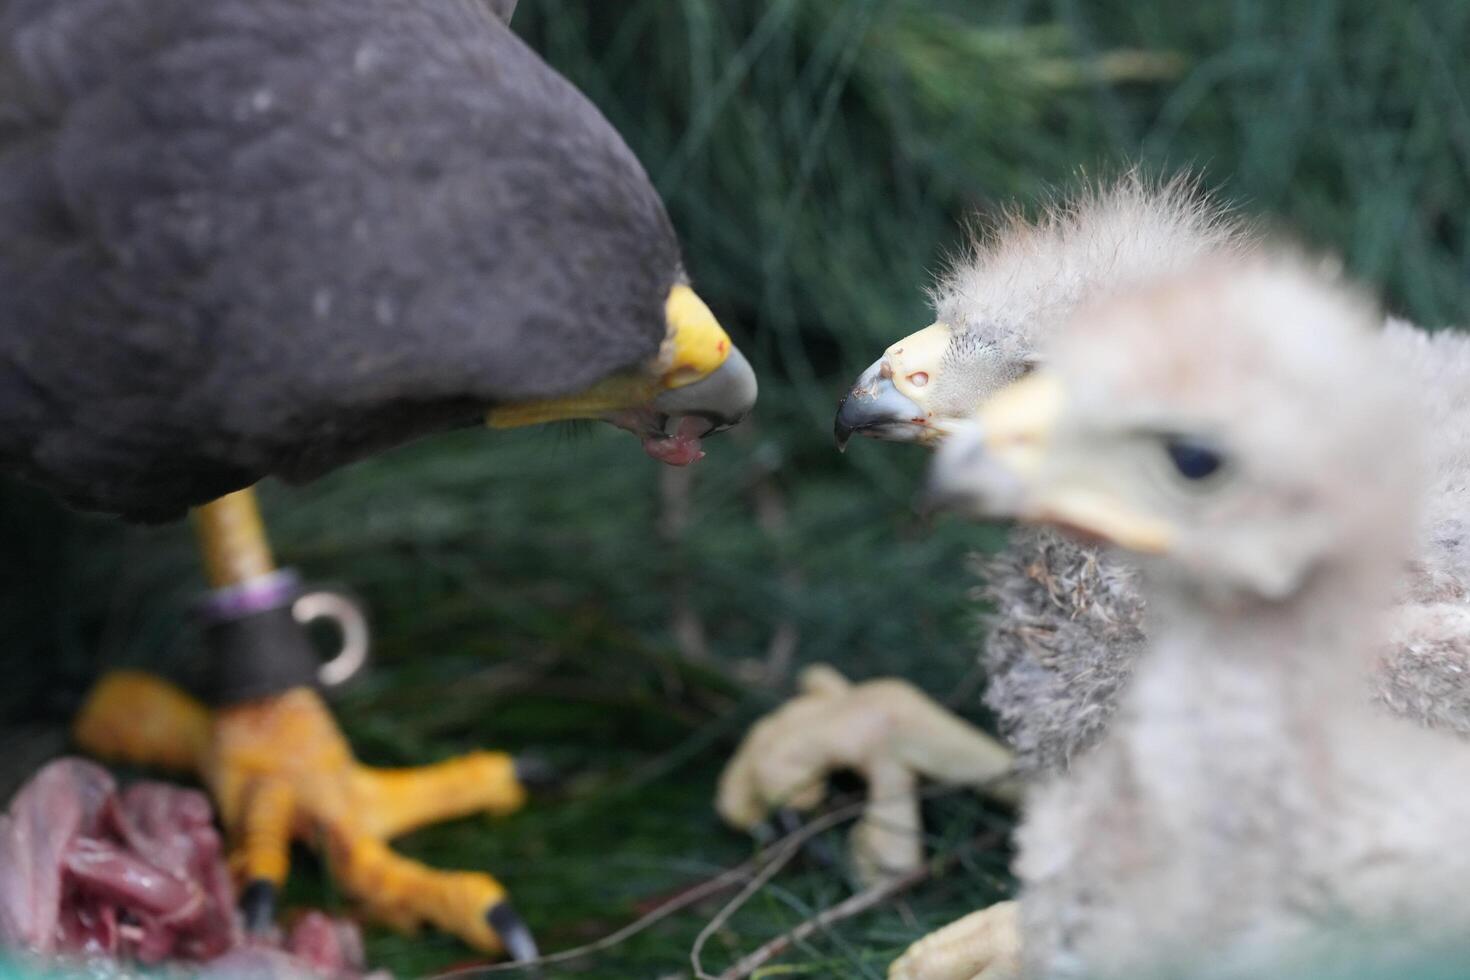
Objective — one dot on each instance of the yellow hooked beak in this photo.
(1011, 464)
(696, 356)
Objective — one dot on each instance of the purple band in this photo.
(256, 595)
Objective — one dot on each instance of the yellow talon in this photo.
(265, 832)
(406, 895)
(136, 718)
(280, 770)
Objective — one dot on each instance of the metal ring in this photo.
(350, 621)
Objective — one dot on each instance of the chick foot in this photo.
(280, 769)
(885, 730)
(984, 945)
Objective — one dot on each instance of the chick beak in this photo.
(887, 401)
(698, 384)
(877, 409)
(1008, 463)
(988, 468)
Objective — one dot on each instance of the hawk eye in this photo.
(1192, 458)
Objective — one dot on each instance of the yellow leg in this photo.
(280, 769)
(232, 540)
(396, 801)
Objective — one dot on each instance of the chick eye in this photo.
(1193, 460)
(918, 379)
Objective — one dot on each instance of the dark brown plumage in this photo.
(251, 237)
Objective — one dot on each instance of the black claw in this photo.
(514, 934)
(821, 854)
(841, 431)
(788, 821)
(781, 823)
(536, 774)
(258, 905)
(815, 848)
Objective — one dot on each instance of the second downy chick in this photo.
(1250, 812)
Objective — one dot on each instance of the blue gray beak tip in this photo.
(874, 407)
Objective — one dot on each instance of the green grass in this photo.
(818, 157)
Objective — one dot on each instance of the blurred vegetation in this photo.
(819, 158)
